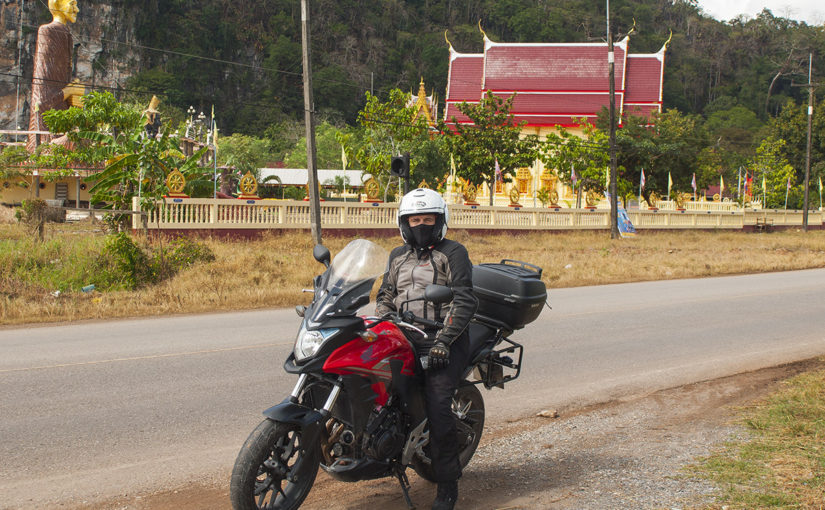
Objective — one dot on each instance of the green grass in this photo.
(52, 264)
(781, 462)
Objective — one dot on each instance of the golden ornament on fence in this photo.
(514, 195)
(373, 189)
(175, 183)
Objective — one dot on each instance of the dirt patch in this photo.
(625, 454)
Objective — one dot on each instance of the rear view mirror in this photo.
(321, 254)
(438, 294)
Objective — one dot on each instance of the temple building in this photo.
(425, 106)
(556, 84)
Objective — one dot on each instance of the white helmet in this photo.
(423, 201)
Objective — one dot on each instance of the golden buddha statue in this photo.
(51, 89)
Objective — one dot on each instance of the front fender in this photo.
(307, 418)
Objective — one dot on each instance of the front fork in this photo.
(331, 399)
(293, 412)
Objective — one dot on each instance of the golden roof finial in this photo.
(482, 30)
(448, 41)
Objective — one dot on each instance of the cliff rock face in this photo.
(103, 58)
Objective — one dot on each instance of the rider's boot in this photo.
(446, 495)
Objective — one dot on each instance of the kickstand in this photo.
(401, 474)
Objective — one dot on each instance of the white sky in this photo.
(811, 12)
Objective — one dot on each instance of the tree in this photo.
(106, 131)
(778, 173)
(245, 153)
(387, 129)
(588, 156)
(493, 137)
(327, 148)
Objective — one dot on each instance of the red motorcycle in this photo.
(357, 410)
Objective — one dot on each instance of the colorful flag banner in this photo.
(574, 178)
(669, 185)
(344, 157)
(693, 183)
(642, 179)
(721, 186)
(499, 178)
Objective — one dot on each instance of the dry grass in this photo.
(271, 271)
(782, 462)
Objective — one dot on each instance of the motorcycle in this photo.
(357, 410)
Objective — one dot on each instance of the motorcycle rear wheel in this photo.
(274, 470)
(468, 407)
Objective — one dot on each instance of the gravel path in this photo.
(618, 455)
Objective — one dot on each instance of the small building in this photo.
(354, 179)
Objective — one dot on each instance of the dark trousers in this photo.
(439, 387)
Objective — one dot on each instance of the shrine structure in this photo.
(556, 84)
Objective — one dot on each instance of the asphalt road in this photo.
(100, 409)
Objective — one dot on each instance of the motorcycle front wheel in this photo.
(275, 469)
(468, 408)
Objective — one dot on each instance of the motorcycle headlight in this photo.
(309, 341)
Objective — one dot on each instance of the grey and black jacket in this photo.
(409, 271)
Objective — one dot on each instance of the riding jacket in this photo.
(410, 270)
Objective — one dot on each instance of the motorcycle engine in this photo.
(385, 436)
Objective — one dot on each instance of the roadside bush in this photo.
(184, 252)
(123, 264)
(33, 214)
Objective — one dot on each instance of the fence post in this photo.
(135, 209)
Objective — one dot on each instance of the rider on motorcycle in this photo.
(426, 258)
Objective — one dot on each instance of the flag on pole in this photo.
(574, 178)
(721, 186)
(343, 157)
(748, 184)
(693, 182)
(669, 185)
(499, 178)
(820, 192)
(642, 180)
(764, 186)
(607, 178)
(452, 174)
(787, 191)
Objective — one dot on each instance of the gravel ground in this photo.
(617, 455)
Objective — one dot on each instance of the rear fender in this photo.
(307, 418)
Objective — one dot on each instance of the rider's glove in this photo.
(439, 356)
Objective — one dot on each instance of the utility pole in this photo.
(309, 120)
(19, 69)
(810, 85)
(614, 206)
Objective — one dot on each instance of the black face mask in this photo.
(423, 235)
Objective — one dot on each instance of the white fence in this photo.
(231, 214)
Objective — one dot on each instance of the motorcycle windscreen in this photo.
(347, 283)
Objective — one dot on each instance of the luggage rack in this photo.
(493, 361)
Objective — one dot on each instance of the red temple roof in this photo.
(555, 83)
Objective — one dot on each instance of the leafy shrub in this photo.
(33, 214)
(181, 254)
(123, 264)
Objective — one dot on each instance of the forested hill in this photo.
(244, 56)
(359, 44)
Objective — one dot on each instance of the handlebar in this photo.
(410, 318)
